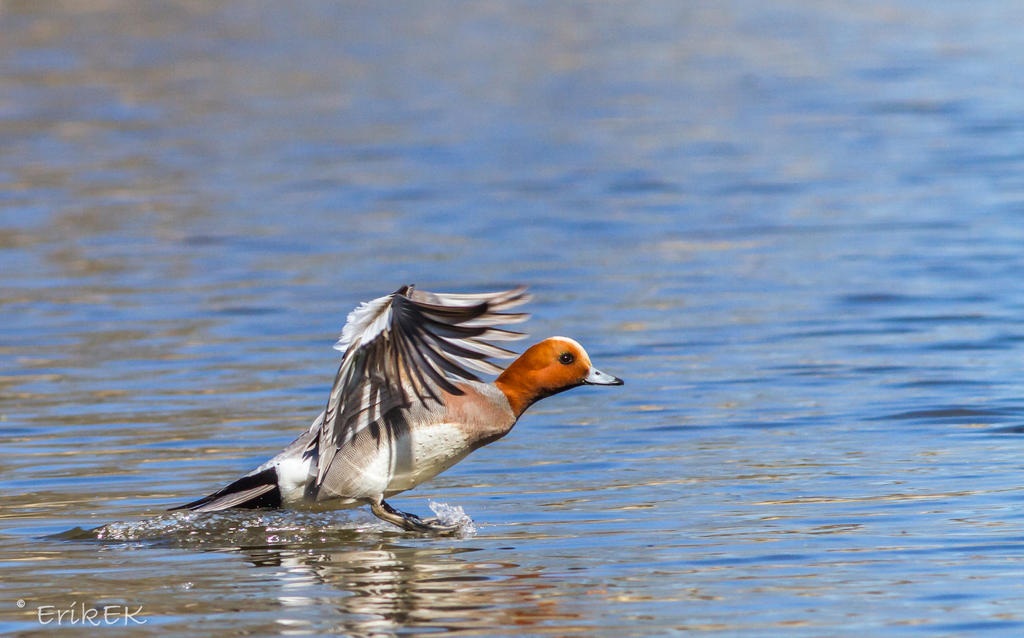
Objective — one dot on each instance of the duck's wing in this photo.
(409, 347)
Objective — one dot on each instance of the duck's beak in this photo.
(596, 377)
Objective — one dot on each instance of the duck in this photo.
(406, 404)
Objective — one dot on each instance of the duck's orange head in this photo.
(549, 367)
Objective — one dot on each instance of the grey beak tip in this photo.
(604, 379)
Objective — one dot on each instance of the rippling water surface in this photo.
(794, 228)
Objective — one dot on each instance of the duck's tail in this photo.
(259, 489)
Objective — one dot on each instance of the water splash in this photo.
(268, 528)
(236, 529)
(453, 515)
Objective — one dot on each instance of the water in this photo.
(794, 228)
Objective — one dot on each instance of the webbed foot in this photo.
(410, 522)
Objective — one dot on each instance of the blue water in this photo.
(793, 228)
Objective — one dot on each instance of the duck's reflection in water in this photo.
(389, 589)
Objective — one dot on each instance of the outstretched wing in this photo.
(410, 346)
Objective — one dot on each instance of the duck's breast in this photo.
(414, 444)
(468, 421)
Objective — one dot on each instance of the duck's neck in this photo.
(520, 385)
(516, 387)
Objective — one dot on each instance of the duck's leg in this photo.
(408, 521)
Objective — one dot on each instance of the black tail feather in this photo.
(249, 492)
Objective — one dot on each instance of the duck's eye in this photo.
(566, 358)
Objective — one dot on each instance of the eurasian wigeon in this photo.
(404, 406)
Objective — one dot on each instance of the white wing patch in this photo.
(368, 320)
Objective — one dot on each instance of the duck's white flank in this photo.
(292, 475)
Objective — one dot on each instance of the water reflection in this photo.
(389, 587)
(379, 581)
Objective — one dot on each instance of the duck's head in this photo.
(549, 367)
